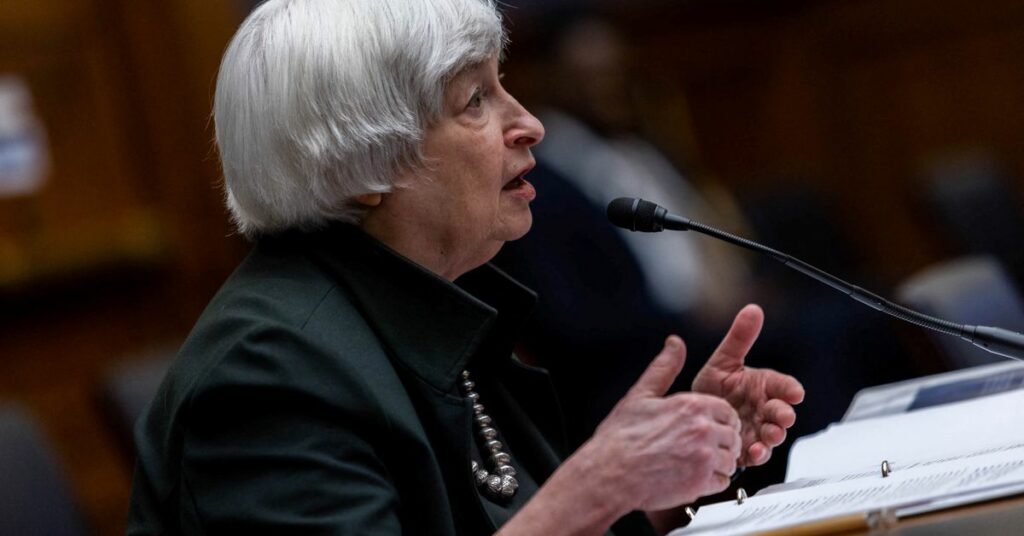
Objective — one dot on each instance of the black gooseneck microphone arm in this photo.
(644, 216)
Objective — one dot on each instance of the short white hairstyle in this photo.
(321, 101)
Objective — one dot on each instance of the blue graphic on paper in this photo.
(1000, 382)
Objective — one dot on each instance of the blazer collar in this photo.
(432, 326)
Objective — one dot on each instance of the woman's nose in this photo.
(526, 130)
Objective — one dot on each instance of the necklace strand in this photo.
(500, 482)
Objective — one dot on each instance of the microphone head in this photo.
(636, 214)
(622, 212)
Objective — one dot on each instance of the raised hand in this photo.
(763, 398)
(653, 453)
(663, 451)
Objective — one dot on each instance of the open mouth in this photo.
(519, 181)
(515, 183)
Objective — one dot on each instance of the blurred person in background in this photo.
(354, 375)
(609, 291)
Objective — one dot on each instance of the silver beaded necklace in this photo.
(500, 482)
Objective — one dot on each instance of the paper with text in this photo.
(914, 489)
(904, 439)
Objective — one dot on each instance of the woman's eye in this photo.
(476, 100)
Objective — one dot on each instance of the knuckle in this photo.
(701, 429)
(703, 401)
(685, 402)
(720, 483)
(704, 456)
(713, 483)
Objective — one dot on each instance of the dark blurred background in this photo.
(876, 138)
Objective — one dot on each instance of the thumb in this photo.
(737, 343)
(662, 371)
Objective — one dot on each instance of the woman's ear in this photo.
(370, 200)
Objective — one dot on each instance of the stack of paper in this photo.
(940, 455)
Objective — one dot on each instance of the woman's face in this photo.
(455, 215)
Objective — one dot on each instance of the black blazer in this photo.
(317, 395)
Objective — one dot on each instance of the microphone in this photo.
(647, 217)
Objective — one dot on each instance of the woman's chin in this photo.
(520, 225)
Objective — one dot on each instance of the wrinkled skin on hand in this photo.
(656, 453)
(663, 451)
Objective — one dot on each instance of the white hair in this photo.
(321, 101)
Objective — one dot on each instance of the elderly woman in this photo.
(354, 375)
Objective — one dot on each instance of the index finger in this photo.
(733, 349)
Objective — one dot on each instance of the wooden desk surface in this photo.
(1002, 516)
(1005, 516)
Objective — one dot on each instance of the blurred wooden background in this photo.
(120, 250)
(123, 245)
